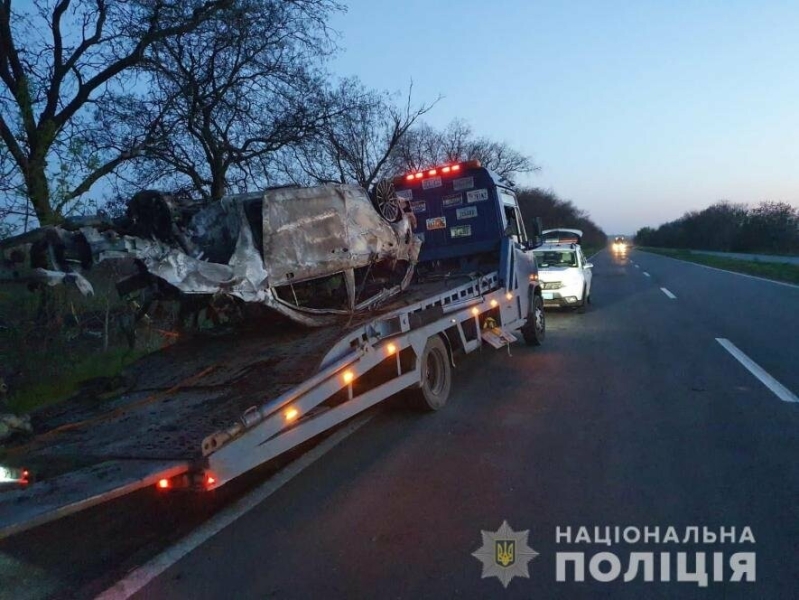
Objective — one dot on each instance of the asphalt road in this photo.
(631, 415)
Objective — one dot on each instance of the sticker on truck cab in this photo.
(436, 223)
(476, 196)
(452, 200)
(460, 231)
(431, 182)
(405, 194)
(464, 183)
(467, 212)
(419, 206)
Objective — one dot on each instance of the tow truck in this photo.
(210, 408)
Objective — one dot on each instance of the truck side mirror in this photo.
(536, 238)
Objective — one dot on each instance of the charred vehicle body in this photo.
(307, 253)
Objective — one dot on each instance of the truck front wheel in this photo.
(436, 376)
(535, 330)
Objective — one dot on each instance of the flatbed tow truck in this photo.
(213, 407)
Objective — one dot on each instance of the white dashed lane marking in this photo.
(782, 392)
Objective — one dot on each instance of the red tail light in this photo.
(163, 484)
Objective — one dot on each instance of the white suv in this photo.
(565, 275)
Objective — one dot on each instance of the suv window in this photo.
(556, 258)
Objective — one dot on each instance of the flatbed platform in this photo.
(86, 451)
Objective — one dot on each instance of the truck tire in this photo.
(436, 376)
(535, 330)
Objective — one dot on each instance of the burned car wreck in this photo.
(311, 254)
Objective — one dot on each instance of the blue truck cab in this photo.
(469, 220)
(463, 213)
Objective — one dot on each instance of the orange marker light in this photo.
(210, 480)
(475, 311)
(291, 414)
(509, 296)
(391, 348)
(348, 376)
(163, 483)
(494, 303)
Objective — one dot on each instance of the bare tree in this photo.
(354, 145)
(59, 61)
(426, 146)
(229, 94)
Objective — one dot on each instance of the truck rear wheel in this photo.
(436, 376)
(535, 330)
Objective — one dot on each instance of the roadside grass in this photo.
(55, 343)
(777, 271)
(96, 365)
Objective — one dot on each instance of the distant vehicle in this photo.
(565, 274)
(620, 245)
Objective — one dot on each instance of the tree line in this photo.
(556, 212)
(770, 227)
(102, 98)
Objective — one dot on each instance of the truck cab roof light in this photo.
(440, 169)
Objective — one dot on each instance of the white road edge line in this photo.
(137, 579)
(647, 274)
(782, 392)
(637, 266)
(668, 293)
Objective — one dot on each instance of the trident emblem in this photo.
(505, 552)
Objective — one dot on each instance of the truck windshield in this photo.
(556, 258)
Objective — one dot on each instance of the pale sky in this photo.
(635, 110)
